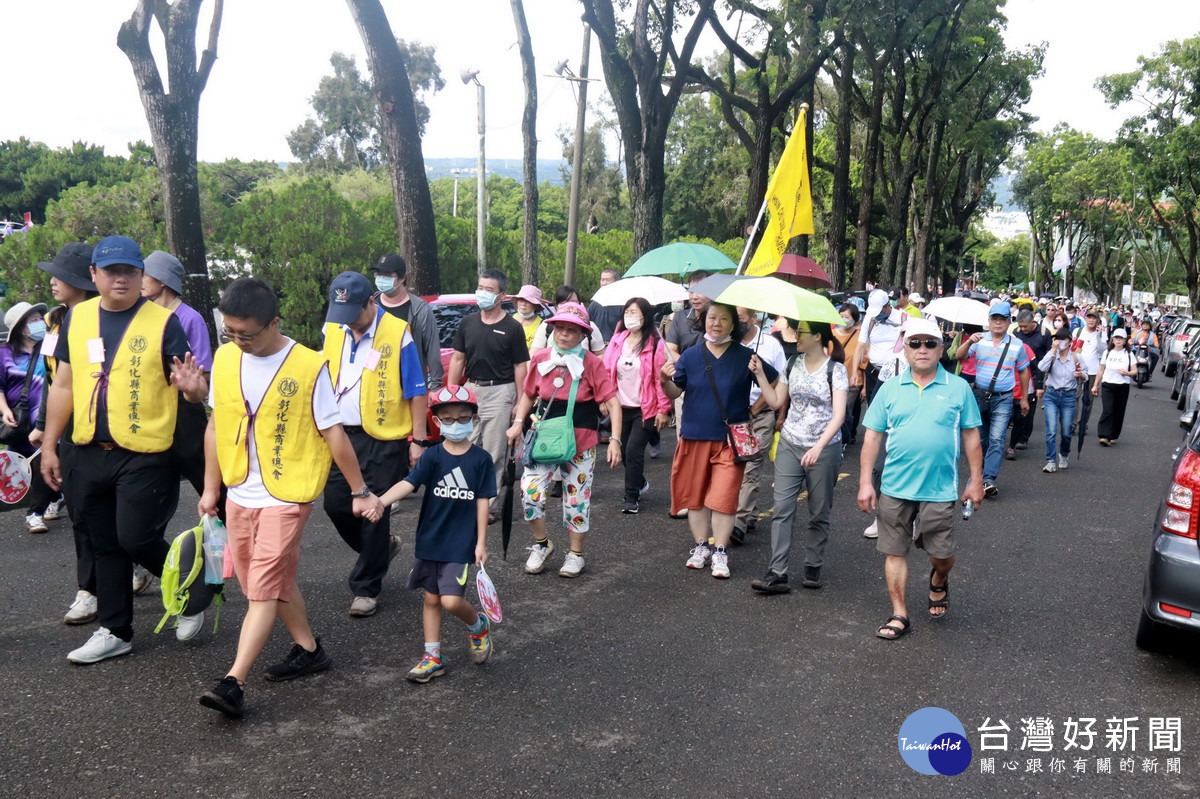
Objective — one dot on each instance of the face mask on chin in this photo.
(529, 315)
(710, 338)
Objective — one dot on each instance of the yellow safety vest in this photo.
(51, 361)
(293, 458)
(142, 403)
(386, 415)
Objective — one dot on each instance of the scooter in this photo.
(1142, 356)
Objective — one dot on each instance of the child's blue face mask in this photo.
(458, 431)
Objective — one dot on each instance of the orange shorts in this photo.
(266, 548)
(703, 475)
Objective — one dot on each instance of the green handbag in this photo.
(554, 439)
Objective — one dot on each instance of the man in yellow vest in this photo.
(380, 387)
(274, 430)
(121, 362)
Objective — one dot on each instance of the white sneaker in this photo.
(872, 531)
(537, 557)
(141, 579)
(1062, 461)
(82, 610)
(1050, 468)
(188, 626)
(35, 523)
(54, 511)
(572, 565)
(720, 564)
(101, 646)
(701, 555)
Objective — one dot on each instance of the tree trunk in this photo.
(925, 215)
(862, 242)
(402, 141)
(835, 247)
(529, 253)
(174, 120)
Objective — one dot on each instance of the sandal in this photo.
(944, 602)
(896, 631)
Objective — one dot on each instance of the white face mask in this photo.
(633, 323)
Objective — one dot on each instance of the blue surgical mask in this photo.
(385, 284)
(529, 315)
(457, 431)
(37, 330)
(486, 300)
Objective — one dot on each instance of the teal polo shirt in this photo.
(924, 427)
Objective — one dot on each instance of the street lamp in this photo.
(472, 76)
(563, 71)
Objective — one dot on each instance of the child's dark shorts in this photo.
(439, 577)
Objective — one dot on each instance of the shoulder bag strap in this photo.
(712, 381)
(829, 376)
(1000, 363)
(29, 370)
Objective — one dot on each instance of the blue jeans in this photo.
(995, 421)
(1058, 404)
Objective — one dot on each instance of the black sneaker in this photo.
(299, 662)
(990, 491)
(812, 577)
(772, 583)
(738, 535)
(225, 696)
(630, 506)
(1021, 445)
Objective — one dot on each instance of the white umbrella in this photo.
(959, 310)
(653, 289)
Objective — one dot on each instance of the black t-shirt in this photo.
(1040, 343)
(492, 350)
(401, 311)
(113, 325)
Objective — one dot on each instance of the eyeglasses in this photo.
(927, 343)
(242, 337)
(461, 419)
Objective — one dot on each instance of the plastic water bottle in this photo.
(215, 541)
(968, 509)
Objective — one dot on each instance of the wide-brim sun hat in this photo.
(72, 265)
(571, 313)
(14, 317)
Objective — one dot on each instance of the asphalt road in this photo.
(642, 678)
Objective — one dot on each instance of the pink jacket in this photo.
(654, 401)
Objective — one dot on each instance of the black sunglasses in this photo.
(927, 343)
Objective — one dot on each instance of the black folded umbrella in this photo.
(509, 482)
(1082, 412)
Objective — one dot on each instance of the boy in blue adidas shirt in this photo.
(459, 479)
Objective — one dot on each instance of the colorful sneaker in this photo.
(572, 565)
(720, 564)
(701, 555)
(101, 646)
(36, 523)
(1062, 461)
(537, 557)
(55, 510)
(481, 642)
(427, 669)
(226, 696)
(82, 610)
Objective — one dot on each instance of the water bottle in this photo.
(968, 509)
(215, 541)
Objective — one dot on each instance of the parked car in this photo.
(1177, 339)
(448, 312)
(1164, 324)
(1171, 588)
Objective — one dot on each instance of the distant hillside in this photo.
(548, 169)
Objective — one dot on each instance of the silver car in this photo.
(1177, 342)
(1171, 590)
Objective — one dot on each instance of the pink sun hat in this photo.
(571, 313)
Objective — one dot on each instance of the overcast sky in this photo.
(67, 80)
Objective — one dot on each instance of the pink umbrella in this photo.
(802, 272)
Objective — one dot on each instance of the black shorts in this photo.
(439, 577)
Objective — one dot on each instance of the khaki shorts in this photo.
(935, 521)
(703, 475)
(266, 548)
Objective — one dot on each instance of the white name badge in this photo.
(371, 360)
(49, 345)
(95, 347)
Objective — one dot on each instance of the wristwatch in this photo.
(362, 493)
(423, 442)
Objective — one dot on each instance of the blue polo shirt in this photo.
(987, 361)
(701, 416)
(924, 427)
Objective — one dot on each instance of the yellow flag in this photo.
(789, 202)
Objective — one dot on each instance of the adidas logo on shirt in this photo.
(453, 486)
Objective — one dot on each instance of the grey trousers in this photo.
(495, 417)
(790, 478)
(764, 429)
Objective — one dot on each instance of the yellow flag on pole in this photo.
(789, 201)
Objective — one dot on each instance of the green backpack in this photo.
(182, 580)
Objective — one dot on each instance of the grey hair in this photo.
(1024, 316)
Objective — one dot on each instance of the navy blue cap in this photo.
(348, 295)
(117, 250)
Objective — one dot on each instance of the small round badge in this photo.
(558, 382)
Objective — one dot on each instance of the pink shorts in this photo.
(266, 548)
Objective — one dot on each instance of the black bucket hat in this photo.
(71, 265)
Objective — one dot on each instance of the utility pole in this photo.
(472, 76)
(577, 160)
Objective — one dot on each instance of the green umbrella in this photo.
(681, 258)
(780, 298)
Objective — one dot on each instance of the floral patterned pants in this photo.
(577, 490)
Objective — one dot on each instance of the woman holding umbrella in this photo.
(714, 377)
(633, 359)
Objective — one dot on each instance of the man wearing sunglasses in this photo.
(928, 413)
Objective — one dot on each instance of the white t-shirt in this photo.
(812, 402)
(257, 374)
(881, 337)
(769, 351)
(1114, 360)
